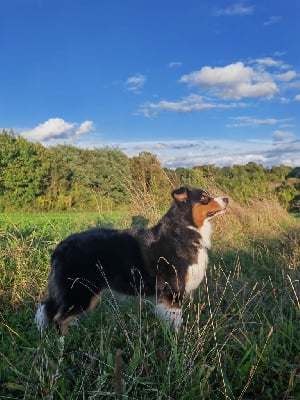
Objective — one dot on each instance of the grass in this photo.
(241, 333)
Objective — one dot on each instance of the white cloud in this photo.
(287, 76)
(279, 53)
(56, 128)
(52, 128)
(260, 89)
(209, 76)
(284, 100)
(272, 20)
(220, 152)
(188, 153)
(284, 126)
(297, 98)
(270, 62)
(248, 121)
(295, 85)
(188, 104)
(175, 64)
(85, 127)
(135, 83)
(235, 9)
(226, 86)
(287, 148)
(233, 81)
(280, 135)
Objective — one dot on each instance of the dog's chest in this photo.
(196, 272)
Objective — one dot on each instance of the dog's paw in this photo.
(172, 316)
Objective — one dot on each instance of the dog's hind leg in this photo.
(94, 301)
(45, 314)
(64, 324)
(67, 316)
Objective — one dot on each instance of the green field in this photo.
(241, 333)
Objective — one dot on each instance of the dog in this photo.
(167, 261)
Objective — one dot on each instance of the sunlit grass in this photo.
(240, 338)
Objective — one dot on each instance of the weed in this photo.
(240, 338)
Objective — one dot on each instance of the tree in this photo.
(294, 173)
(151, 184)
(192, 177)
(23, 172)
(89, 179)
(107, 175)
(64, 177)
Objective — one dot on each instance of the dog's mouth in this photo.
(211, 214)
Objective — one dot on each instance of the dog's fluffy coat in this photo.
(167, 261)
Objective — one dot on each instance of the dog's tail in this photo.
(45, 314)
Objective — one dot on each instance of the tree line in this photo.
(38, 178)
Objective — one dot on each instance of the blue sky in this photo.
(194, 82)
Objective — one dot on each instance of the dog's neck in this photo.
(205, 232)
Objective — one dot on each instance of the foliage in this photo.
(295, 173)
(36, 178)
(244, 183)
(151, 185)
(89, 179)
(23, 171)
(60, 178)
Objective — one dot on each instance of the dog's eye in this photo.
(204, 198)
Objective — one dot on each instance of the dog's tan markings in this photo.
(64, 324)
(175, 302)
(199, 214)
(167, 303)
(201, 211)
(57, 316)
(94, 301)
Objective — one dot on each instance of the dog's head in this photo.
(198, 205)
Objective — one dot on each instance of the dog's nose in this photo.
(226, 200)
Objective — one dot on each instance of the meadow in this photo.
(241, 332)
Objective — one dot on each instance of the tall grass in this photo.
(241, 333)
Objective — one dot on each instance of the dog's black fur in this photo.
(150, 262)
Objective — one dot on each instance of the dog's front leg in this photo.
(170, 314)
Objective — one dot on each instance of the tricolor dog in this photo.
(167, 262)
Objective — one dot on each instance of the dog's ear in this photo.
(180, 195)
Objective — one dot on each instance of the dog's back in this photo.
(84, 264)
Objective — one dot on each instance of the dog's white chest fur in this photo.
(196, 272)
